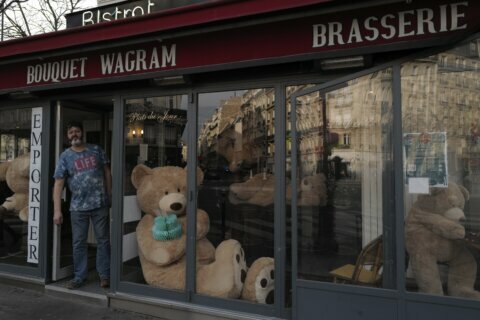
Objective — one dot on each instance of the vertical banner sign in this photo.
(34, 186)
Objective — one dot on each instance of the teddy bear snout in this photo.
(172, 203)
(176, 206)
(455, 201)
(455, 214)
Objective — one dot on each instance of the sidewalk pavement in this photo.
(17, 303)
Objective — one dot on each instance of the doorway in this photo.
(96, 116)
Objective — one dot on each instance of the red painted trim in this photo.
(307, 37)
(213, 11)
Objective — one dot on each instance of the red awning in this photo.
(197, 14)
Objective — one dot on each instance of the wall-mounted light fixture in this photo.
(344, 63)
(136, 132)
(171, 80)
(22, 95)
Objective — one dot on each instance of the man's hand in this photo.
(57, 201)
(58, 217)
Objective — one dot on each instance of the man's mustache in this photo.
(75, 137)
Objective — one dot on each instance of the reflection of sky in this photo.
(209, 102)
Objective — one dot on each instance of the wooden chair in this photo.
(367, 269)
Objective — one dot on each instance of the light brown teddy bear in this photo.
(257, 190)
(161, 237)
(16, 174)
(313, 191)
(260, 190)
(434, 233)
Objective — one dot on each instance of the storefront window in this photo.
(15, 132)
(236, 154)
(343, 146)
(155, 159)
(441, 130)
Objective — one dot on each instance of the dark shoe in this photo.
(72, 284)
(105, 283)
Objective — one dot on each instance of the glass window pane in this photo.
(15, 132)
(343, 148)
(155, 159)
(236, 152)
(440, 117)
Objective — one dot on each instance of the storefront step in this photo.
(84, 294)
(30, 283)
(172, 310)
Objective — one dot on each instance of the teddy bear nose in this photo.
(176, 206)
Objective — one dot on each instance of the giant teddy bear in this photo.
(260, 190)
(161, 237)
(257, 190)
(16, 174)
(434, 234)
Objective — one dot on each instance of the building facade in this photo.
(336, 143)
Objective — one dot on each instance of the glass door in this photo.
(20, 128)
(96, 118)
(340, 167)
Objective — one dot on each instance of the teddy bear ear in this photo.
(199, 175)
(434, 191)
(465, 192)
(139, 172)
(3, 170)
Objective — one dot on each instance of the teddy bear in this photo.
(313, 191)
(257, 190)
(260, 190)
(434, 233)
(16, 174)
(161, 237)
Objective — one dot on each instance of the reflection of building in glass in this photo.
(441, 93)
(346, 128)
(242, 130)
(15, 127)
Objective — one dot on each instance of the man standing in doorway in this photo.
(86, 168)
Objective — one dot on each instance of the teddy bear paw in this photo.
(265, 284)
(240, 268)
(458, 232)
(260, 282)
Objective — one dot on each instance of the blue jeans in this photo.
(101, 225)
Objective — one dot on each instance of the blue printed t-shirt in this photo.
(85, 177)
